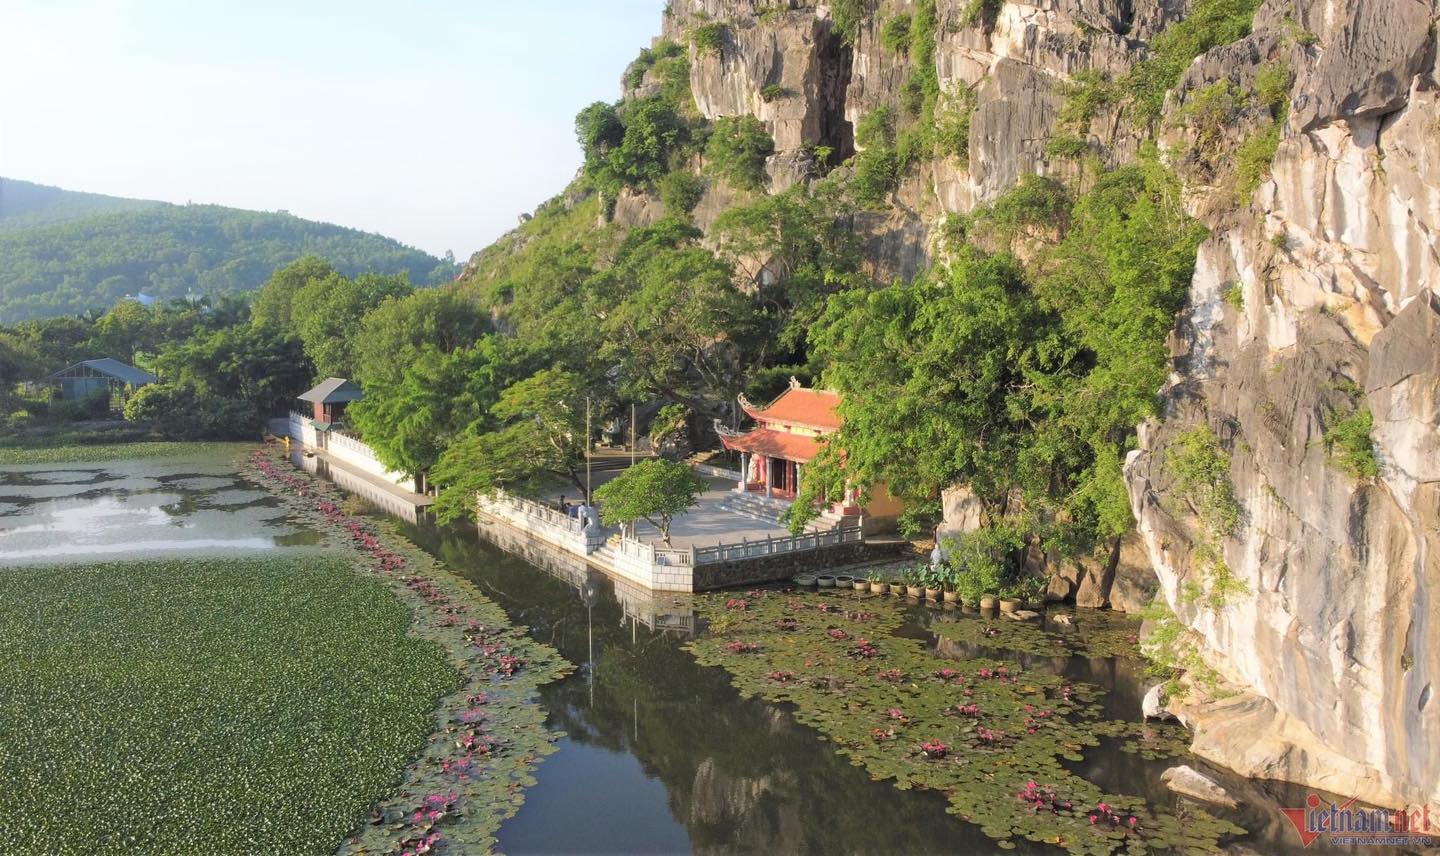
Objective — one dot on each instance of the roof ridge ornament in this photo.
(795, 382)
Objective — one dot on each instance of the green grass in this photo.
(204, 706)
(84, 454)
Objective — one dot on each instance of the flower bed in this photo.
(489, 734)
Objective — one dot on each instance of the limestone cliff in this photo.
(1333, 266)
(1316, 298)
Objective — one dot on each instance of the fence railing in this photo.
(778, 545)
(542, 513)
(640, 551)
(354, 446)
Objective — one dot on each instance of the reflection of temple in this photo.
(789, 433)
(664, 611)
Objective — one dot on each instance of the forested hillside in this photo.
(25, 205)
(165, 251)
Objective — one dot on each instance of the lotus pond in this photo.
(701, 724)
(195, 692)
(263, 674)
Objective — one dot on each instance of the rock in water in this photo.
(1189, 782)
(1153, 706)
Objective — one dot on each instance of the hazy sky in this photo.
(436, 122)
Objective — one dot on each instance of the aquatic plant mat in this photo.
(485, 737)
(993, 737)
(95, 452)
(204, 705)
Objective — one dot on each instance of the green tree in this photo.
(438, 398)
(877, 164)
(395, 333)
(669, 425)
(655, 491)
(181, 412)
(258, 366)
(927, 370)
(541, 437)
(737, 150)
(326, 315)
(792, 250)
(675, 324)
(274, 302)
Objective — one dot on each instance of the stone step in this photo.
(760, 508)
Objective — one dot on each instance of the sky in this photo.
(436, 122)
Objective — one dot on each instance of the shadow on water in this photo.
(663, 755)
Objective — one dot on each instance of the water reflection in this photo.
(185, 505)
(662, 755)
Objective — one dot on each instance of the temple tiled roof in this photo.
(774, 444)
(810, 408)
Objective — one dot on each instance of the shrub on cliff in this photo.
(737, 151)
(1349, 443)
(877, 169)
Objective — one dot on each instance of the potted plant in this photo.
(1010, 599)
(878, 584)
(947, 587)
(860, 584)
(825, 581)
(805, 580)
(843, 581)
(912, 581)
(932, 583)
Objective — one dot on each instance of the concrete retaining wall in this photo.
(345, 449)
(783, 567)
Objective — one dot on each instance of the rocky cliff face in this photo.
(1316, 297)
(1334, 263)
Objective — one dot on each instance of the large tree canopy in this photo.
(404, 329)
(438, 398)
(540, 436)
(327, 312)
(261, 367)
(1023, 383)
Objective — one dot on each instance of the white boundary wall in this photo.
(656, 568)
(543, 522)
(345, 449)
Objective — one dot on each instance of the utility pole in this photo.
(632, 433)
(587, 450)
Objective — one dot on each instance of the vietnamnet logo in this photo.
(1347, 826)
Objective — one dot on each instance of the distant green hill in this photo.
(24, 205)
(84, 251)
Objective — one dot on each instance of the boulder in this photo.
(1189, 782)
(1153, 705)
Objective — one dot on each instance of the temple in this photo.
(787, 436)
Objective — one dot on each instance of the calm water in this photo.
(661, 755)
(664, 756)
(174, 506)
